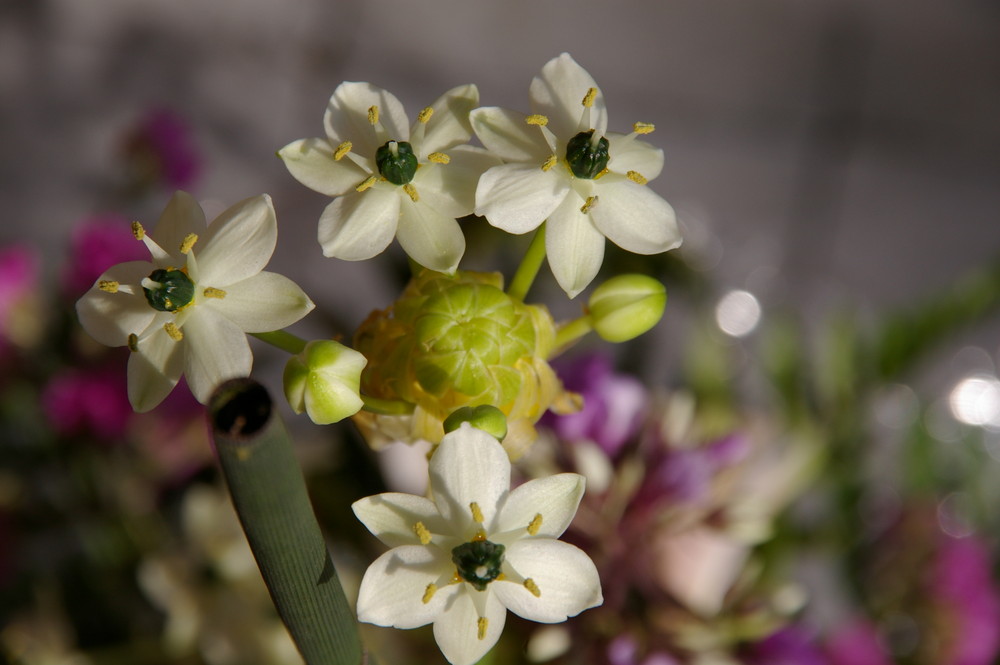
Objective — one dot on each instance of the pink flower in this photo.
(19, 281)
(162, 151)
(89, 401)
(97, 244)
(961, 582)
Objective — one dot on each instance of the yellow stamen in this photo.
(530, 585)
(429, 592)
(605, 171)
(422, 533)
(138, 231)
(439, 158)
(636, 177)
(342, 150)
(588, 99)
(373, 115)
(455, 578)
(537, 119)
(535, 525)
(411, 192)
(368, 182)
(425, 114)
(481, 626)
(133, 342)
(643, 127)
(480, 536)
(108, 285)
(212, 292)
(188, 242)
(549, 163)
(590, 203)
(173, 331)
(477, 514)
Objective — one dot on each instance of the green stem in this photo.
(530, 265)
(270, 497)
(387, 407)
(572, 331)
(285, 341)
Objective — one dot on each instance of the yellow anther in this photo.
(133, 342)
(188, 242)
(636, 177)
(108, 285)
(590, 203)
(342, 150)
(481, 625)
(605, 171)
(530, 585)
(477, 513)
(429, 592)
(439, 158)
(588, 99)
(411, 191)
(373, 115)
(455, 578)
(368, 182)
(479, 537)
(138, 231)
(173, 331)
(425, 114)
(212, 292)
(643, 127)
(537, 119)
(423, 534)
(535, 525)
(549, 163)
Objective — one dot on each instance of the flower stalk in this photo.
(530, 265)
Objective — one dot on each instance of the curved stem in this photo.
(387, 407)
(572, 331)
(530, 265)
(285, 341)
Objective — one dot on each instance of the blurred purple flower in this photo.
(18, 279)
(614, 405)
(856, 643)
(88, 401)
(161, 149)
(791, 645)
(962, 583)
(97, 244)
(623, 650)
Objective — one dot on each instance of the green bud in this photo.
(324, 381)
(626, 306)
(396, 162)
(587, 160)
(478, 562)
(168, 290)
(485, 417)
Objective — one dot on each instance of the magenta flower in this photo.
(962, 583)
(161, 148)
(18, 284)
(97, 244)
(89, 401)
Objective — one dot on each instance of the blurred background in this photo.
(832, 162)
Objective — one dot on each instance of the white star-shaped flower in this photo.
(562, 165)
(188, 310)
(391, 179)
(476, 549)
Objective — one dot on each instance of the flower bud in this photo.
(324, 381)
(483, 417)
(626, 306)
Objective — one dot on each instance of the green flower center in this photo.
(586, 158)
(168, 290)
(396, 162)
(478, 562)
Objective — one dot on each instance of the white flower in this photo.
(391, 179)
(476, 550)
(562, 165)
(187, 311)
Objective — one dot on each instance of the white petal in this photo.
(451, 188)
(431, 239)
(360, 225)
(469, 466)
(261, 303)
(633, 155)
(574, 246)
(518, 197)
(506, 134)
(449, 125)
(183, 215)
(558, 93)
(154, 369)
(346, 117)
(393, 587)
(457, 630)
(565, 576)
(111, 317)
(634, 217)
(311, 162)
(216, 350)
(391, 516)
(238, 244)
(555, 498)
